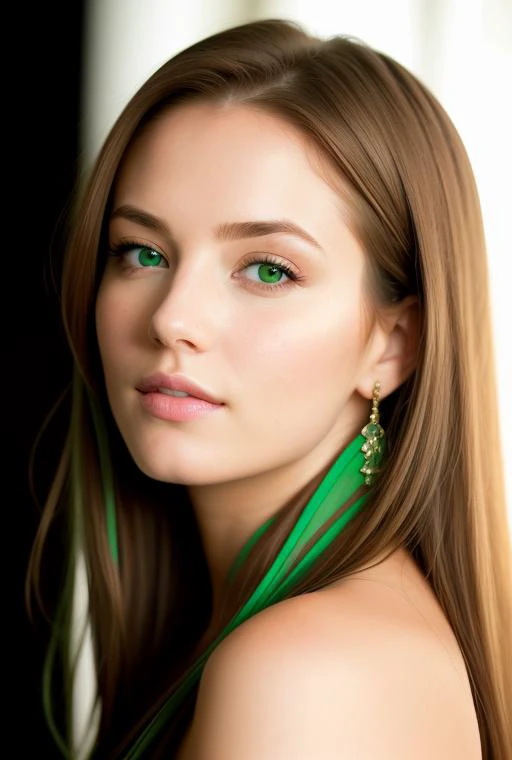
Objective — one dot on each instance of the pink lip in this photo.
(175, 408)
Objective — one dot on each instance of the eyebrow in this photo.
(225, 231)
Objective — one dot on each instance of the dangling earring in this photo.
(373, 447)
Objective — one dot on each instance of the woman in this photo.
(282, 466)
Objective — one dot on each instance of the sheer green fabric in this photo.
(297, 555)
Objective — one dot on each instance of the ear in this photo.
(392, 348)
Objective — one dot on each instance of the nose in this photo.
(187, 312)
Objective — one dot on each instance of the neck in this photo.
(331, 500)
(229, 513)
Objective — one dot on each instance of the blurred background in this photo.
(82, 62)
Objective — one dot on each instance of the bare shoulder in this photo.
(367, 668)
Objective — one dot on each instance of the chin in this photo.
(163, 472)
(178, 470)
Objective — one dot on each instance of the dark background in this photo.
(42, 55)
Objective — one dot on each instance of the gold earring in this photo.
(373, 447)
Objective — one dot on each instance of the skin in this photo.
(295, 389)
(368, 667)
(365, 669)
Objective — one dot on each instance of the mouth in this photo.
(174, 399)
(176, 386)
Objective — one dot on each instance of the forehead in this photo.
(236, 145)
(210, 125)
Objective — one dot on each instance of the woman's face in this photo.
(232, 276)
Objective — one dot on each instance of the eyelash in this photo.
(263, 259)
(118, 250)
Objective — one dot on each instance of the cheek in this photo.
(115, 322)
(292, 353)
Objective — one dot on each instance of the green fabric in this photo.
(340, 483)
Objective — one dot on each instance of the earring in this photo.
(373, 447)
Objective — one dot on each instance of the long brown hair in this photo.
(414, 207)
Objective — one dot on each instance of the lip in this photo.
(155, 382)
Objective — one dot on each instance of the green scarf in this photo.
(342, 481)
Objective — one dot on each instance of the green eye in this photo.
(270, 273)
(265, 272)
(133, 255)
(147, 257)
